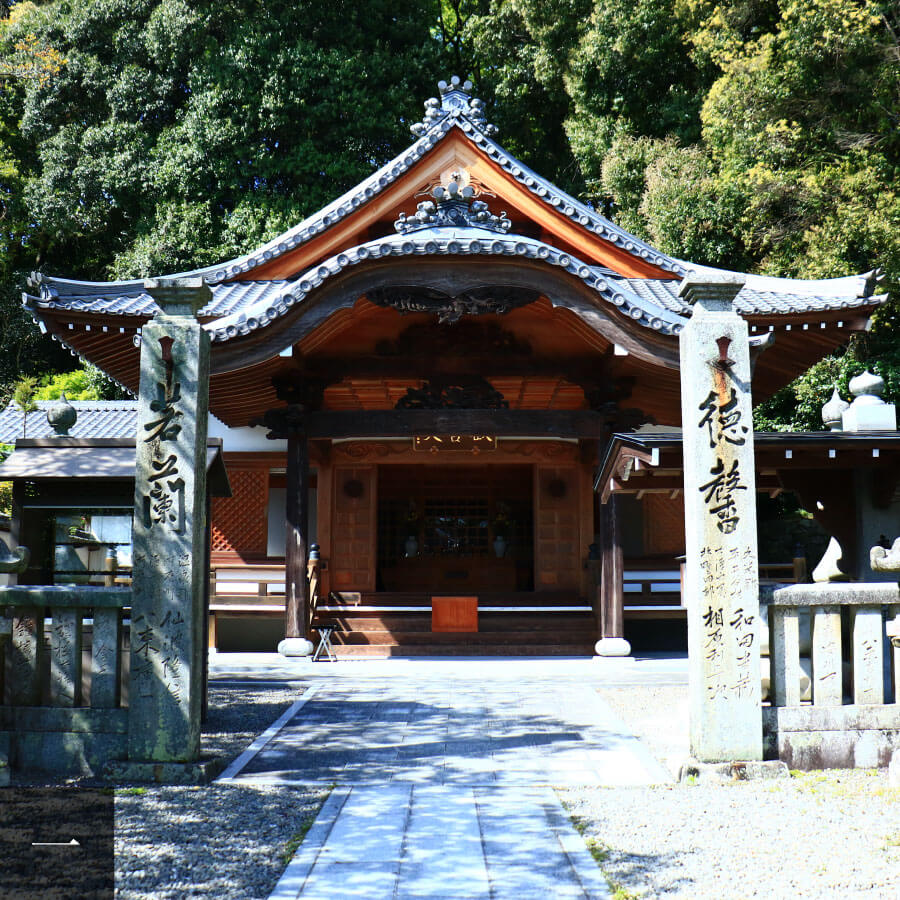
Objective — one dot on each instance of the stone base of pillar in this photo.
(127, 771)
(894, 770)
(694, 772)
(612, 646)
(295, 647)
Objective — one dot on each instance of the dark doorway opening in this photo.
(445, 528)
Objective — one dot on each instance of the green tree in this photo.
(177, 134)
(152, 136)
(23, 397)
(86, 383)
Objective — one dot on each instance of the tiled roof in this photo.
(239, 307)
(128, 298)
(249, 299)
(96, 419)
(754, 301)
(238, 312)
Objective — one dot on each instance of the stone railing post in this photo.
(784, 643)
(65, 657)
(722, 579)
(26, 657)
(827, 666)
(868, 655)
(892, 630)
(169, 528)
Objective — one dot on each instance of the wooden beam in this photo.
(661, 484)
(496, 422)
(427, 365)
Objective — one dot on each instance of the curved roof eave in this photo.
(848, 285)
(442, 241)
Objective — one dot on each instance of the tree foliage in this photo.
(24, 397)
(177, 134)
(147, 136)
(760, 135)
(84, 383)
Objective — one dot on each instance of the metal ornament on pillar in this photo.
(722, 582)
(169, 528)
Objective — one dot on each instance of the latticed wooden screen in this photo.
(558, 538)
(663, 525)
(239, 522)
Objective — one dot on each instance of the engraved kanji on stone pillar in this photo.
(722, 584)
(169, 528)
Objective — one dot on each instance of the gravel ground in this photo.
(821, 834)
(231, 842)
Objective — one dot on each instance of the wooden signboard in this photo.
(454, 614)
(454, 443)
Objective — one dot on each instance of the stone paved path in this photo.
(462, 731)
(444, 782)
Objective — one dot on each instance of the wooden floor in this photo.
(509, 624)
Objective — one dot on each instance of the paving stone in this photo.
(330, 880)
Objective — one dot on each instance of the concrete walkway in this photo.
(444, 777)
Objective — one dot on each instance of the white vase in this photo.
(500, 546)
(412, 547)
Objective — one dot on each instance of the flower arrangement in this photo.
(502, 524)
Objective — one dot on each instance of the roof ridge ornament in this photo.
(456, 99)
(455, 208)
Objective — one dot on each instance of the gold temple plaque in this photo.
(454, 443)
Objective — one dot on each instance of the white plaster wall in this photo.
(276, 513)
(243, 440)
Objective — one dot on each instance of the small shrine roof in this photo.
(96, 419)
(96, 460)
(636, 461)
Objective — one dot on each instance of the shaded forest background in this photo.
(142, 137)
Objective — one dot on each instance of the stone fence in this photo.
(854, 671)
(64, 699)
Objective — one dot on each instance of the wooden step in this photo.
(399, 600)
(486, 621)
(448, 650)
(381, 624)
(474, 637)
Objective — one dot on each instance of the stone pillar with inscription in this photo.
(721, 577)
(169, 528)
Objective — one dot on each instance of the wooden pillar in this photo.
(612, 602)
(596, 566)
(296, 623)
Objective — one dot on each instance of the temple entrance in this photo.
(448, 529)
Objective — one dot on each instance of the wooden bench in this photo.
(652, 590)
(655, 591)
(262, 600)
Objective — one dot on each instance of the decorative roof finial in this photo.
(61, 416)
(833, 411)
(455, 208)
(455, 100)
